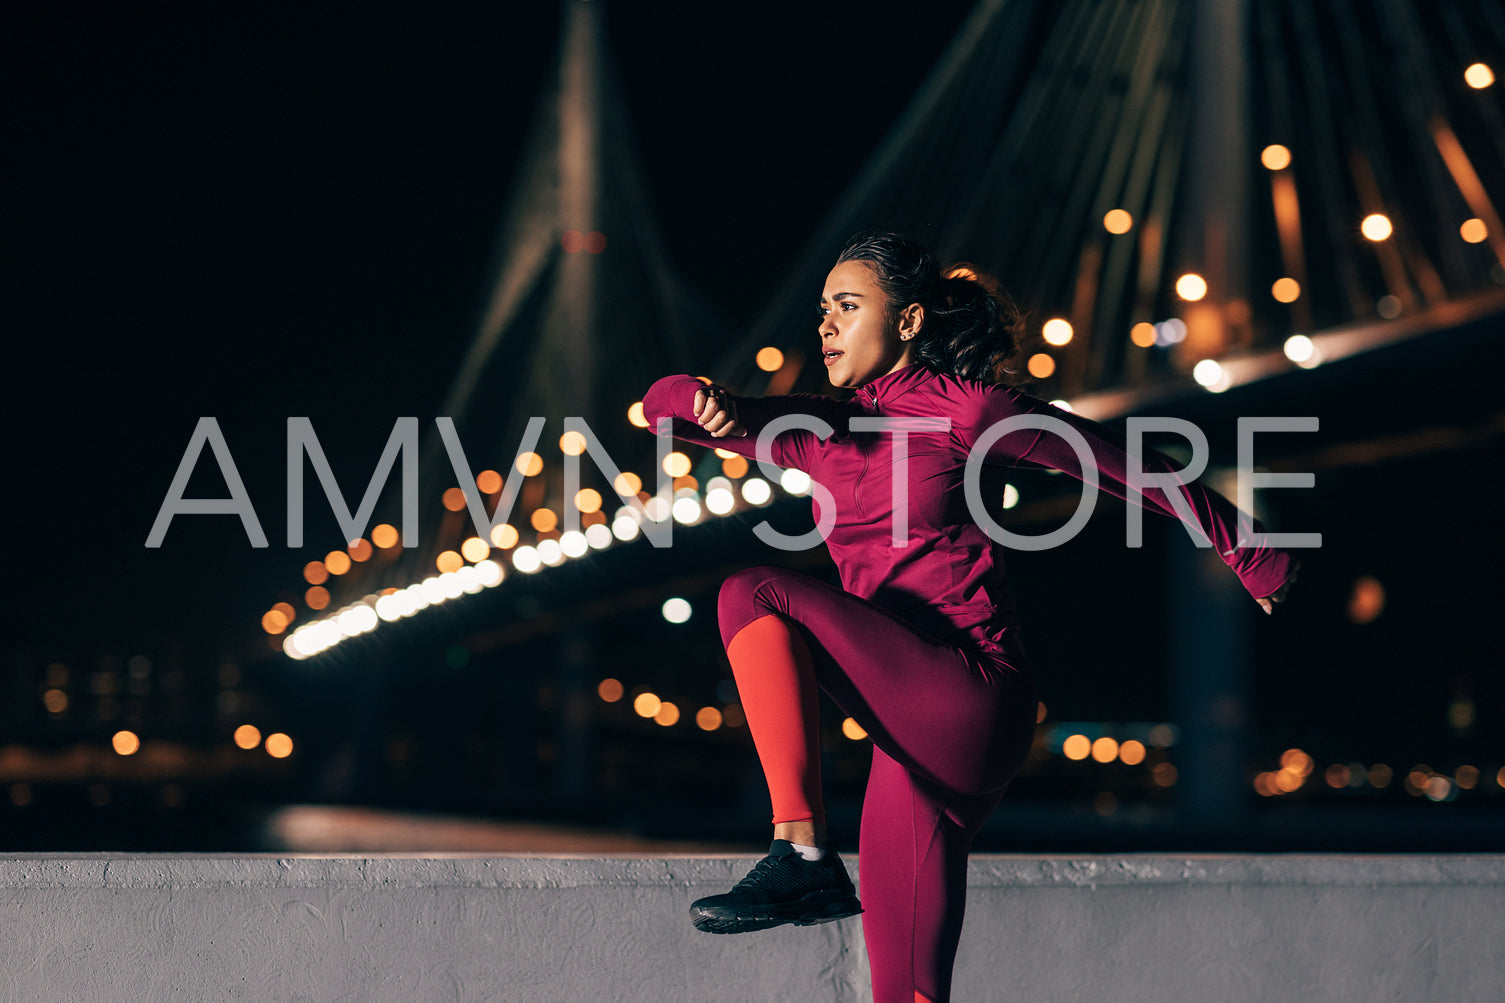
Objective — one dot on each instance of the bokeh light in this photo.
(1041, 365)
(247, 736)
(125, 742)
(1286, 290)
(1299, 348)
(1366, 600)
(1275, 157)
(1191, 287)
(278, 745)
(1207, 373)
(770, 359)
(1118, 221)
(588, 500)
(1376, 227)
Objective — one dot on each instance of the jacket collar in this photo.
(888, 388)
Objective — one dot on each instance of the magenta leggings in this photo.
(950, 728)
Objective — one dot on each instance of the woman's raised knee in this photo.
(749, 594)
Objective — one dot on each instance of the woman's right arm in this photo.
(674, 397)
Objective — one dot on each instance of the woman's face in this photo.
(859, 341)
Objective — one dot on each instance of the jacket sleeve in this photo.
(1261, 569)
(674, 397)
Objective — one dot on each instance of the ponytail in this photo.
(971, 329)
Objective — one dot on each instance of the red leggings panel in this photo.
(950, 728)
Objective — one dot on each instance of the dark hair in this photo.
(972, 328)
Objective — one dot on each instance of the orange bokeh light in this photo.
(1041, 365)
(489, 481)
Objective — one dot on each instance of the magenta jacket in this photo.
(948, 579)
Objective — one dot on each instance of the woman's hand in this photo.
(1279, 595)
(716, 410)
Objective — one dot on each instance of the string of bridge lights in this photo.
(473, 568)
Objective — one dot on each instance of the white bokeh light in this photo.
(796, 482)
(489, 573)
(720, 500)
(756, 491)
(686, 510)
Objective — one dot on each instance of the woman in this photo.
(920, 645)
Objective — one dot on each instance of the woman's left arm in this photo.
(710, 415)
(1266, 572)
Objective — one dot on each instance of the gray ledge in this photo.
(586, 927)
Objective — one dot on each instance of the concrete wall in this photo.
(1150, 927)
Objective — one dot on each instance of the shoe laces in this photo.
(755, 877)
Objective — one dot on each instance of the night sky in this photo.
(253, 214)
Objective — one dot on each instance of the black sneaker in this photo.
(782, 888)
